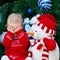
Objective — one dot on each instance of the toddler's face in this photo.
(14, 26)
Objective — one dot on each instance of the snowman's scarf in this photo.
(39, 40)
(45, 52)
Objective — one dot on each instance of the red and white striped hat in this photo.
(47, 22)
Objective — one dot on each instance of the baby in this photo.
(15, 40)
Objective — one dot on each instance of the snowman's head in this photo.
(45, 28)
(39, 33)
(34, 20)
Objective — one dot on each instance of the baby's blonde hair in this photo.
(15, 17)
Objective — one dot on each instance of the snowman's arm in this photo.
(50, 44)
(7, 40)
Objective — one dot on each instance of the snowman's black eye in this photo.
(35, 30)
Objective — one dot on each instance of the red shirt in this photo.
(17, 47)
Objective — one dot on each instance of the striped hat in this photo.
(47, 22)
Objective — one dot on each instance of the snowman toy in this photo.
(27, 24)
(44, 47)
(34, 20)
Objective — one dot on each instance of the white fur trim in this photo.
(40, 25)
(37, 15)
(45, 28)
(53, 32)
(28, 58)
(5, 58)
(50, 31)
(34, 20)
(52, 37)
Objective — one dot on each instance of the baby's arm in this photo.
(23, 38)
(7, 39)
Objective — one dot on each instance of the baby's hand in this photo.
(14, 27)
(11, 29)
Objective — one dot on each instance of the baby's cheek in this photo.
(17, 28)
(11, 27)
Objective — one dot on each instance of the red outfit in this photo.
(16, 49)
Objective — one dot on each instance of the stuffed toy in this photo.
(44, 46)
(27, 24)
(15, 39)
(34, 20)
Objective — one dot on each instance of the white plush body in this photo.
(37, 54)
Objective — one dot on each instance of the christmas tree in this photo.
(28, 8)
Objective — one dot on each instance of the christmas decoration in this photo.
(44, 46)
(27, 24)
(29, 11)
(44, 4)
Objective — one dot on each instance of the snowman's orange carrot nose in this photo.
(30, 33)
